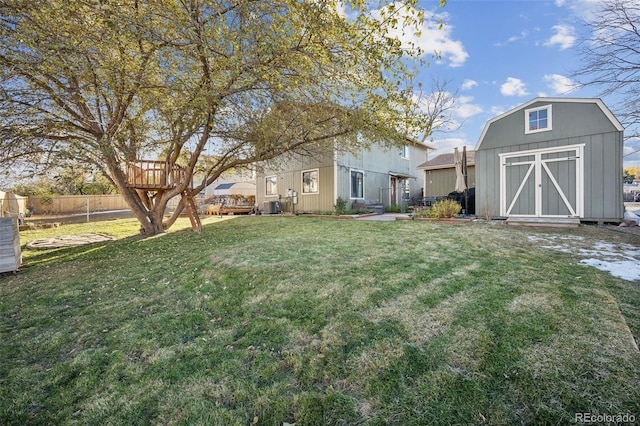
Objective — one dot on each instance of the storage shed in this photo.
(551, 159)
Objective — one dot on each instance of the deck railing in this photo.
(154, 175)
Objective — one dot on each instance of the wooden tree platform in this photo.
(154, 176)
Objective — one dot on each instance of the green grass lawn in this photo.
(316, 321)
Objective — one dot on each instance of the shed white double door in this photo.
(545, 182)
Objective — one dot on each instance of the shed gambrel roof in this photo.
(446, 161)
(606, 111)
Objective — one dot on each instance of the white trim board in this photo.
(538, 167)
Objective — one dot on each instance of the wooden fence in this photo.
(61, 204)
(11, 205)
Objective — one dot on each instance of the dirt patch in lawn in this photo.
(67, 241)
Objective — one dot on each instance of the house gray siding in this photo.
(289, 176)
(335, 177)
(574, 123)
(378, 165)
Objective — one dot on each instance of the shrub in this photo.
(421, 211)
(392, 209)
(445, 209)
(340, 206)
(360, 211)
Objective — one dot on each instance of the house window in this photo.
(310, 180)
(404, 153)
(537, 119)
(271, 186)
(357, 184)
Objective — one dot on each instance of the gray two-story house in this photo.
(377, 175)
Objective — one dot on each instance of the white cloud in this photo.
(513, 39)
(437, 38)
(560, 85)
(432, 37)
(522, 35)
(464, 107)
(583, 9)
(446, 146)
(499, 110)
(513, 87)
(631, 152)
(468, 84)
(563, 37)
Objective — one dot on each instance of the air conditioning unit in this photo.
(272, 207)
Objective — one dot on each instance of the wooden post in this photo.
(466, 183)
(10, 252)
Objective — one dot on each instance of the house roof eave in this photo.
(446, 161)
(422, 144)
(442, 167)
(401, 175)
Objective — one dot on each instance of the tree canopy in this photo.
(611, 57)
(71, 179)
(106, 82)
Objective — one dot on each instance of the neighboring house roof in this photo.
(401, 175)
(446, 161)
(606, 111)
(235, 185)
(224, 186)
(238, 188)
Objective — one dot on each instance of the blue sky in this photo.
(501, 54)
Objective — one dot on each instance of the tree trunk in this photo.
(150, 219)
(148, 211)
(154, 226)
(172, 219)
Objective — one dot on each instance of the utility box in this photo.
(272, 207)
(10, 254)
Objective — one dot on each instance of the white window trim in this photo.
(302, 182)
(350, 184)
(265, 186)
(404, 152)
(549, 127)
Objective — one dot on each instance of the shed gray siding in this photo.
(577, 121)
(440, 182)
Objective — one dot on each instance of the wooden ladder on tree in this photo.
(192, 211)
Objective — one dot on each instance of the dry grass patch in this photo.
(413, 308)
